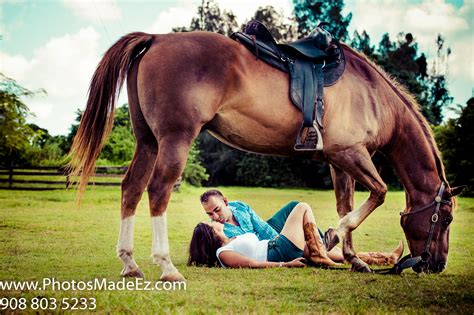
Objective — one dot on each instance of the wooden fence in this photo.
(34, 174)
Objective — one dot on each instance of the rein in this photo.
(422, 260)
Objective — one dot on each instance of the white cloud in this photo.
(95, 11)
(63, 67)
(425, 20)
(172, 17)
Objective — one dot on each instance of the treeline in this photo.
(213, 163)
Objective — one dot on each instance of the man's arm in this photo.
(263, 230)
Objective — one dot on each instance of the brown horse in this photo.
(181, 84)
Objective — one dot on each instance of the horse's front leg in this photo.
(344, 187)
(356, 162)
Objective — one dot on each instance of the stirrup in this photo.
(311, 140)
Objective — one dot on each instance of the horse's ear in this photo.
(457, 190)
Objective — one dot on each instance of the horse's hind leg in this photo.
(133, 186)
(135, 179)
(172, 155)
(344, 187)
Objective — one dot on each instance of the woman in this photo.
(299, 238)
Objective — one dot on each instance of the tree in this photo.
(120, 146)
(44, 149)
(15, 132)
(210, 18)
(437, 94)
(281, 30)
(402, 60)
(455, 139)
(309, 13)
(194, 172)
(361, 42)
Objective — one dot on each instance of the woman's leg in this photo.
(293, 228)
(300, 228)
(336, 255)
(298, 218)
(277, 221)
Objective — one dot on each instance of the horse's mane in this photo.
(410, 102)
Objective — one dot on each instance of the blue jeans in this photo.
(281, 248)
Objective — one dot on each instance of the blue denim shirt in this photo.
(249, 222)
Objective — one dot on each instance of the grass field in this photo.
(44, 235)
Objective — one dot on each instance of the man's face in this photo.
(217, 209)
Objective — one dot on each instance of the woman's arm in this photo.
(235, 260)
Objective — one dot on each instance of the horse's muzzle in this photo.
(441, 266)
(430, 268)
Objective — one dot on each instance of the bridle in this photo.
(422, 260)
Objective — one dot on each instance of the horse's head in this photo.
(427, 230)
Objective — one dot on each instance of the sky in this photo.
(56, 44)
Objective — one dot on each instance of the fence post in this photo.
(10, 176)
(68, 182)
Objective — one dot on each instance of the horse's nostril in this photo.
(417, 268)
(441, 266)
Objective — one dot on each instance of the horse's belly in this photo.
(259, 131)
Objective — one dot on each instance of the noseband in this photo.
(422, 260)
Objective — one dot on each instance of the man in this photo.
(238, 218)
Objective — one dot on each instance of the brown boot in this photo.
(316, 248)
(382, 259)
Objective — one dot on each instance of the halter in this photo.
(422, 260)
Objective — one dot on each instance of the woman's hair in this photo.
(203, 246)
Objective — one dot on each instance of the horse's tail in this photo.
(97, 119)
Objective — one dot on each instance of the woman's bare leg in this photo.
(336, 255)
(300, 228)
(293, 228)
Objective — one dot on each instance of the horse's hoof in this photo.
(173, 277)
(363, 268)
(331, 239)
(132, 273)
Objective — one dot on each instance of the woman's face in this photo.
(218, 229)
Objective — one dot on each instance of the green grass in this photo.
(43, 234)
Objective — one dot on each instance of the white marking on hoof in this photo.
(132, 273)
(174, 277)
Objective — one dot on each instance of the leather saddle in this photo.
(312, 63)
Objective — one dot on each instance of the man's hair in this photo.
(212, 192)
